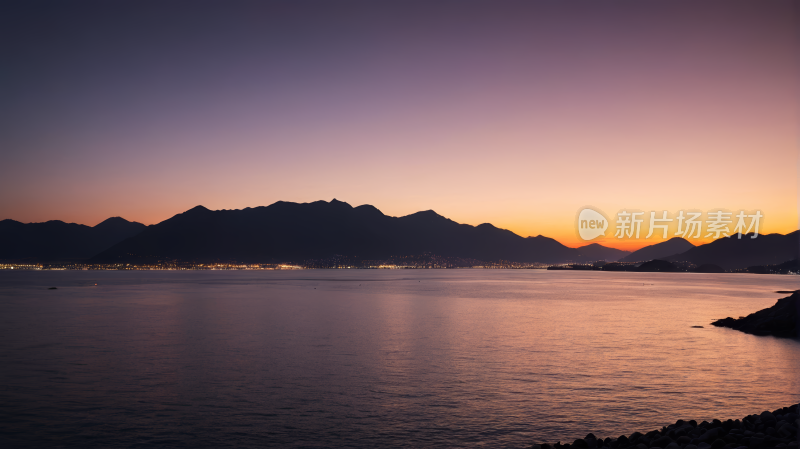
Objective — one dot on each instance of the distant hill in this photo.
(782, 268)
(595, 251)
(671, 247)
(734, 253)
(56, 241)
(285, 231)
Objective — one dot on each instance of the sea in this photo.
(378, 358)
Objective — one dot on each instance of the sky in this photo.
(514, 113)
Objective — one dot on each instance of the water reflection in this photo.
(364, 358)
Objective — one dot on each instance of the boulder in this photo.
(719, 443)
(661, 442)
(710, 435)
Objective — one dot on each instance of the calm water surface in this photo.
(364, 358)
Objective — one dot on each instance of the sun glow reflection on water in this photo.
(364, 358)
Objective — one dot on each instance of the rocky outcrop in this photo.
(777, 429)
(779, 320)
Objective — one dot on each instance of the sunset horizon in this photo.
(517, 115)
(567, 234)
(512, 224)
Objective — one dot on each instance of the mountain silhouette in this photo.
(595, 251)
(56, 241)
(734, 253)
(671, 247)
(296, 232)
(318, 231)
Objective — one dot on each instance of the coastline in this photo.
(776, 429)
(780, 320)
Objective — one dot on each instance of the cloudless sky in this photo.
(513, 113)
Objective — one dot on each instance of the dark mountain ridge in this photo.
(56, 241)
(671, 247)
(734, 253)
(296, 232)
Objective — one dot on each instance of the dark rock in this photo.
(779, 320)
(711, 435)
(718, 444)
(661, 442)
(766, 430)
(730, 438)
(53, 288)
(787, 431)
(768, 419)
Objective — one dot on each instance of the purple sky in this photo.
(514, 113)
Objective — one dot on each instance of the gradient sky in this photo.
(513, 113)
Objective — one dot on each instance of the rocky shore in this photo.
(779, 320)
(777, 429)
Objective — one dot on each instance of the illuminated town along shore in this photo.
(425, 261)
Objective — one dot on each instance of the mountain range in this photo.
(56, 241)
(733, 252)
(296, 232)
(675, 245)
(300, 232)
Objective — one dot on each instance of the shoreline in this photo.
(776, 429)
(780, 320)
